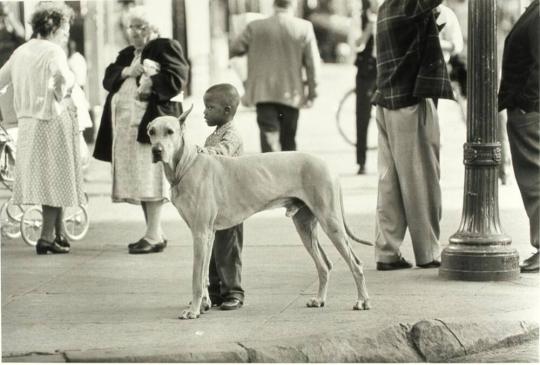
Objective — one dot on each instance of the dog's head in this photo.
(166, 136)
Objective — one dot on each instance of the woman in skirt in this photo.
(47, 170)
(137, 95)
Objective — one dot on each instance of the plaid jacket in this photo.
(410, 63)
(224, 141)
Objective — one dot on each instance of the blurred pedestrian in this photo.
(518, 94)
(225, 273)
(411, 74)
(11, 33)
(47, 170)
(366, 75)
(279, 49)
(129, 107)
(77, 63)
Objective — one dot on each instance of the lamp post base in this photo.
(479, 262)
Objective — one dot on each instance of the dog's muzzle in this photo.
(157, 153)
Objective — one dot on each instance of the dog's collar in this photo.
(188, 155)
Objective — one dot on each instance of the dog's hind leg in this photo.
(336, 232)
(306, 225)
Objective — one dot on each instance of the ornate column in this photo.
(479, 250)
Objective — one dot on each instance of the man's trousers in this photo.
(524, 138)
(277, 126)
(409, 194)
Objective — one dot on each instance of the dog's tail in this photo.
(347, 229)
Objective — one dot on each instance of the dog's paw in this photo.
(315, 303)
(362, 305)
(189, 314)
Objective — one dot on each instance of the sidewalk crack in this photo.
(453, 334)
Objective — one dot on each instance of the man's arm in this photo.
(311, 60)
(240, 45)
(416, 8)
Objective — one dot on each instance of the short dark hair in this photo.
(49, 16)
(227, 93)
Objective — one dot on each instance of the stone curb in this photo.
(425, 341)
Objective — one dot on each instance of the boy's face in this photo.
(215, 111)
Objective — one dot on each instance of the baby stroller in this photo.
(26, 220)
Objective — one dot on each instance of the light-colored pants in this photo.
(409, 194)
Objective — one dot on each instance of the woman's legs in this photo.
(50, 219)
(152, 213)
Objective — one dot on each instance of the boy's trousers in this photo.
(226, 264)
(409, 194)
(524, 138)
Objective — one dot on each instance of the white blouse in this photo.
(31, 70)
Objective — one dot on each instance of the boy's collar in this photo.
(224, 125)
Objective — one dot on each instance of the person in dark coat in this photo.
(144, 82)
(518, 94)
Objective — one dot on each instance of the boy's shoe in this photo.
(231, 304)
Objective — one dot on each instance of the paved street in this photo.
(100, 304)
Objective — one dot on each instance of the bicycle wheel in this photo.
(9, 227)
(7, 165)
(346, 117)
(31, 223)
(76, 222)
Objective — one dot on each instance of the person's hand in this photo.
(145, 88)
(133, 71)
(308, 103)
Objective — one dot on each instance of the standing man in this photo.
(518, 94)
(411, 75)
(279, 49)
(366, 75)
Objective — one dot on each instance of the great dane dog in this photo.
(215, 192)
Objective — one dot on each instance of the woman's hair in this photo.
(141, 12)
(49, 16)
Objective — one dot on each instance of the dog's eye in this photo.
(151, 132)
(170, 131)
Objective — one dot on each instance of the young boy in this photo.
(221, 102)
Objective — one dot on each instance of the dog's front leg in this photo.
(201, 249)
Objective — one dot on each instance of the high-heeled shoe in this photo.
(42, 247)
(62, 241)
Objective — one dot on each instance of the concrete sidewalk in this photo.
(100, 304)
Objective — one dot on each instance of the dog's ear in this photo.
(182, 118)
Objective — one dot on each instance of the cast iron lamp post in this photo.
(479, 250)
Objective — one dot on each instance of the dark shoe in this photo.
(160, 246)
(430, 265)
(231, 304)
(401, 264)
(62, 241)
(530, 265)
(42, 247)
(163, 244)
(141, 247)
(361, 170)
